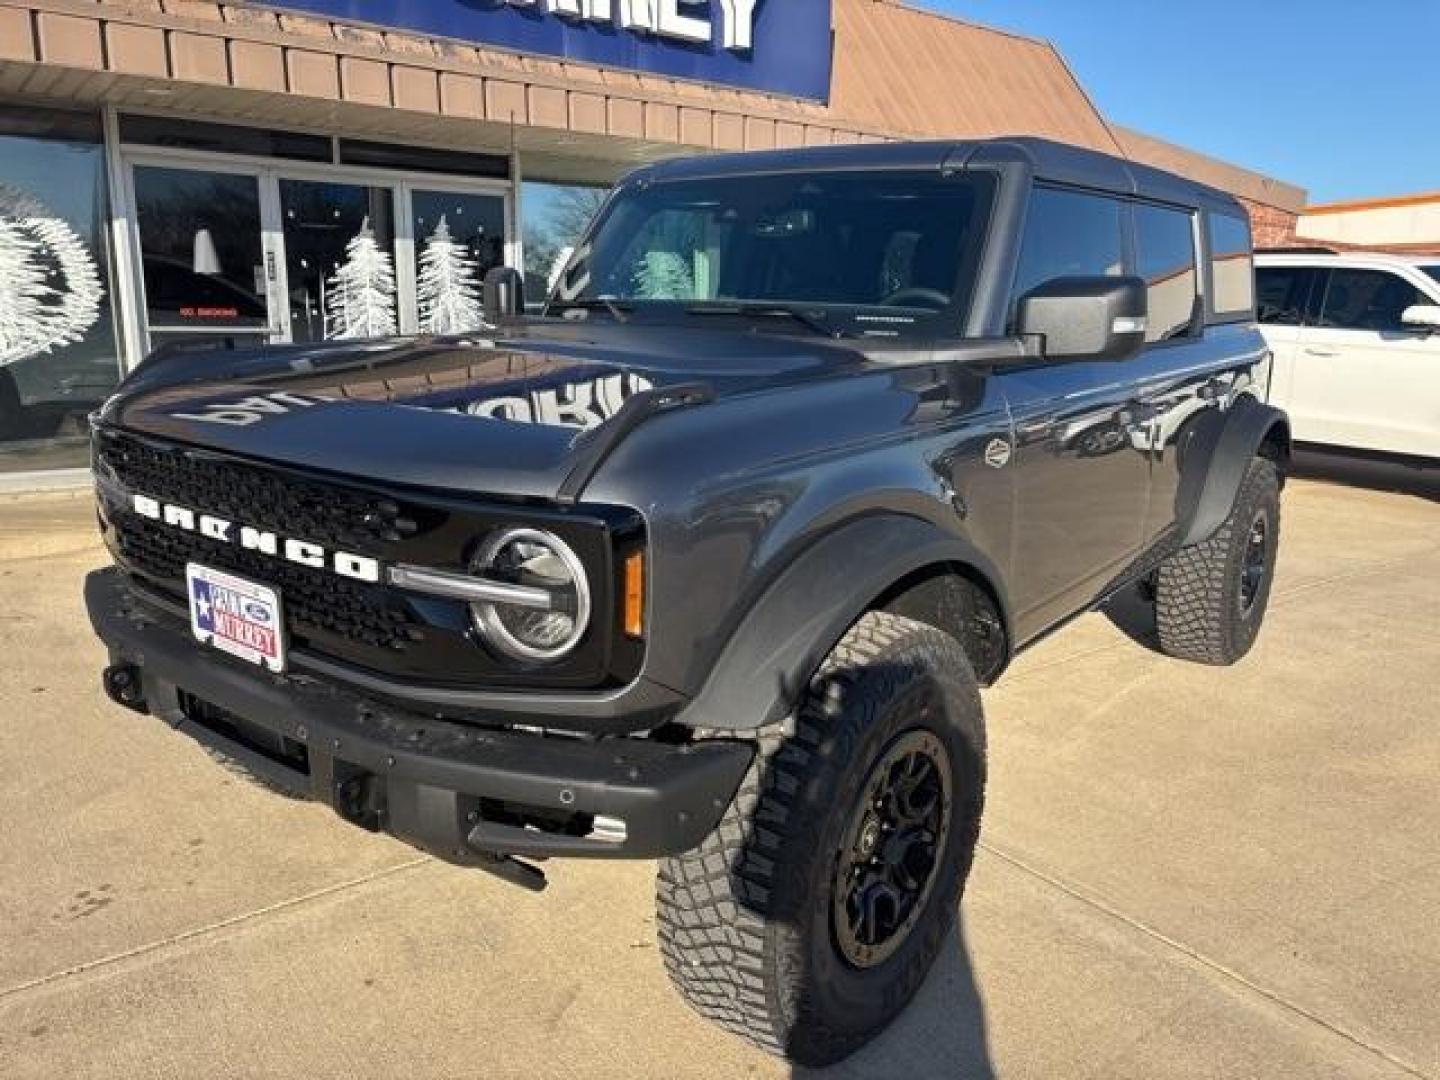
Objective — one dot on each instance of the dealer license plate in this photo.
(236, 616)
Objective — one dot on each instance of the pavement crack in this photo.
(210, 928)
(1275, 997)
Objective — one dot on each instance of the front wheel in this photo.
(809, 918)
(1211, 597)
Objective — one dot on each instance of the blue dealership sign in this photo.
(775, 46)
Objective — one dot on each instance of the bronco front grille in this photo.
(314, 601)
(329, 514)
(368, 627)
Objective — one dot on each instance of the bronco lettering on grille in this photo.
(248, 538)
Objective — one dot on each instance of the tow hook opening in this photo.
(123, 686)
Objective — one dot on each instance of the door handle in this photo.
(1316, 350)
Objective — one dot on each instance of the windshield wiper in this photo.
(805, 318)
(616, 312)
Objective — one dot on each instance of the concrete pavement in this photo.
(1185, 872)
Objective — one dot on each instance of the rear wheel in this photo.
(1211, 597)
(808, 919)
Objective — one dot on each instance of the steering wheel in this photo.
(914, 296)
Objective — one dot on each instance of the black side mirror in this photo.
(504, 293)
(1086, 318)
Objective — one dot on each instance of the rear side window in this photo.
(1368, 300)
(1165, 258)
(1232, 274)
(1068, 234)
(1282, 294)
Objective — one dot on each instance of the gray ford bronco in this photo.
(708, 562)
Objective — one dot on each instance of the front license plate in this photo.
(236, 616)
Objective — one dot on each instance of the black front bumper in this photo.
(468, 794)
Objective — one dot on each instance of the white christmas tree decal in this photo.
(663, 275)
(360, 295)
(447, 290)
(49, 284)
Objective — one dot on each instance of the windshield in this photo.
(1433, 271)
(884, 253)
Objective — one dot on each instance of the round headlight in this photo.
(551, 608)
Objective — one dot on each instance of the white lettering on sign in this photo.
(739, 24)
(684, 20)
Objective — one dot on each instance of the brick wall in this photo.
(1272, 227)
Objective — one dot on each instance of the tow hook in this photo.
(123, 685)
(516, 871)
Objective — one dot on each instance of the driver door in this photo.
(1081, 486)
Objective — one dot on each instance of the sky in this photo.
(1337, 96)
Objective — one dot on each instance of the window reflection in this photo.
(555, 218)
(58, 356)
(1165, 258)
(200, 249)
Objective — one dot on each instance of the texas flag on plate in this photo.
(236, 616)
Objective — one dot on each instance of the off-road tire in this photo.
(1199, 611)
(745, 920)
(237, 768)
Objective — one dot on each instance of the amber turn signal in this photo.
(635, 595)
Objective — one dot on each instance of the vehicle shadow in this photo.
(940, 1034)
(1133, 614)
(1375, 471)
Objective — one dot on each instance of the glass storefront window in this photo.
(58, 353)
(200, 250)
(339, 257)
(459, 237)
(555, 216)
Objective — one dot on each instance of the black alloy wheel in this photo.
(885, 869)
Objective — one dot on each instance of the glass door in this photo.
(459, 236)
(203, 261)
(233, 253)
(339, 260)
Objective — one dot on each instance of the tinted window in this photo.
(1231, 271)
(1165, 258)
(223, 138)
(865, 252)
(1433, 271)
(1283, 293)
(422, 159)
(1068, 234)
(1368, 300)
(200, 248)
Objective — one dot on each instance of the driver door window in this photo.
(1068, 234)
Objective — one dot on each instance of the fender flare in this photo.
(1248, 424)
(764, 667)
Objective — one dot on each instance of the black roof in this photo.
(1047, 160)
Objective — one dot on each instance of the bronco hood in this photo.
(510, 415)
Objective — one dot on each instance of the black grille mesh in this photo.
(316, 603)
(323, 513)
(313, 601)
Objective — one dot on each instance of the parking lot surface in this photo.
(1185, 872)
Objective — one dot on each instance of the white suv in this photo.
(1356, 339)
